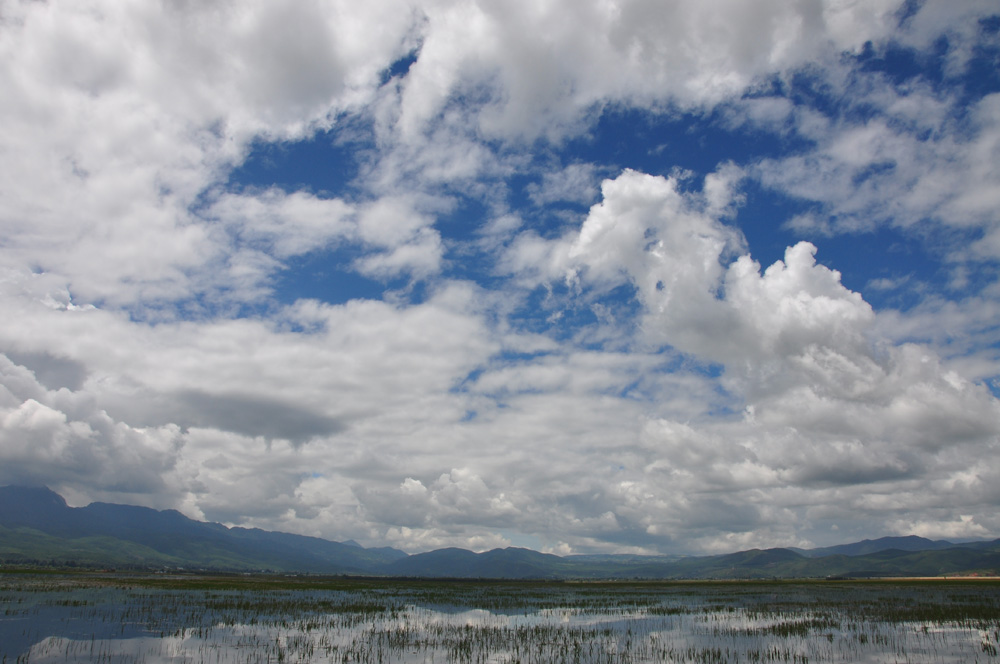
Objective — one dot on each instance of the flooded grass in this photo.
(159, 618)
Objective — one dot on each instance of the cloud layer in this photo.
(539, 325)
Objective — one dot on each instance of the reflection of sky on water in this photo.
(421, 635)
(116, 625)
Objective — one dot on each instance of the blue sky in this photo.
(589, 277)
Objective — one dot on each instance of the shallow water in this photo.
(119, 619)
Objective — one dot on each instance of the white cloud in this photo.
(370, 367)
(404, 236)
(828, 401)
(108, 143)
(922, 163)
(283, 224)
(59, 438)
(543, 65)
(528, 71)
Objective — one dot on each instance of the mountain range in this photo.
(38, 527)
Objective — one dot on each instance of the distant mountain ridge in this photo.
(37, 526)
(864, 547)
(165, 538)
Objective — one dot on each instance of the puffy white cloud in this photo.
(827, 402)
(923, 161)
(58, 437)
(540, 66)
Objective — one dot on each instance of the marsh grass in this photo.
(160, 618)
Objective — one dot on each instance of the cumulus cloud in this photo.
(57, 437)
(826, 401)
(913, 156)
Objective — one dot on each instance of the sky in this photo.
(583, 276)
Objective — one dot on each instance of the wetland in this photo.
(121, 618)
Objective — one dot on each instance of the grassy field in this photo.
(76, 617)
